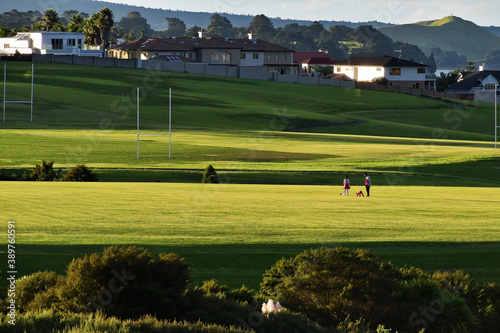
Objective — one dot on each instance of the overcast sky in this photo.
(481, 12)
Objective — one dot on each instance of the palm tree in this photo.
(76, 23)
(91, 30)
(50, 19)
(104, 23)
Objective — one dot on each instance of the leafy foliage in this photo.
(328, 285)
(210, 175)
(125, 282)
(80, 173)
(44, 171)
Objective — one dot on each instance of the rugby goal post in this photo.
(169, 123)
(5, 101)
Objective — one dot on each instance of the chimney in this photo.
(202, 33)
(252, 35)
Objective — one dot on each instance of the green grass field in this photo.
(433, 166)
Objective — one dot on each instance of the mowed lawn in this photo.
(235, 232)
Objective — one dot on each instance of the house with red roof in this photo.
(247, 52)
(309, 60)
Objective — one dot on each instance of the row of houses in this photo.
(248, 52)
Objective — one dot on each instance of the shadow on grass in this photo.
(238, 264)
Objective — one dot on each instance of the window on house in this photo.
(269, 56)
(220, 57)
(190, 55)
(417, 85)
(421, 70)
(347, 69)
(71, 42)
(276, 56)
(80, 43)
(489, 86)
(243, 55)
(57, 44)
(379, 69)
(256, 56)
(395, 71)
(339, 69)
(6, 46)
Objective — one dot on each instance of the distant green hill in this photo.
(449, 34)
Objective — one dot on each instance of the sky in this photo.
(481, 12)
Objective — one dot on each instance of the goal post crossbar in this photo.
(152, 134)
(5, 101)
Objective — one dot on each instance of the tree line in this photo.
(339, 41)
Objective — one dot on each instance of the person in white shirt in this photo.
(347, 185)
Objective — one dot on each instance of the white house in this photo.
(477, 86)
(398, 72)
(48, 42)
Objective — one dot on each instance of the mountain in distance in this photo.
(156, 17)
(449, 34)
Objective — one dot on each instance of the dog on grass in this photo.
(359, 194)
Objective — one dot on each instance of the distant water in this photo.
(445, 71)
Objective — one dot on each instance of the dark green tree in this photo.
(44, 172)
(104, 22)
(50, 19)
(134, 23)
(210, 176)
(328, 285)
(125, 282)
(193, 31)
(80, 173)
(92, 31)
(176, 27)
(314, 30)
(263, 27)
(76, 23)
(220, 26)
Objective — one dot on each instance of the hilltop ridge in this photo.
(450, 33)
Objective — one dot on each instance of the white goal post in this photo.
(169, 123)
(5, 101)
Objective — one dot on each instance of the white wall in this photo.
(368, 73)
(250, 61)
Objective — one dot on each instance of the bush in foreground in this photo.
(80, 173)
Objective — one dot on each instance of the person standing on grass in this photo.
(368, 183)
(347, 185)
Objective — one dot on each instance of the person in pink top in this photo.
(347, 185)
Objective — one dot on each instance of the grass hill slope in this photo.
(449, 34)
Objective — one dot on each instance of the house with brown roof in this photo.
(397, 72)
(250, 52)
(307, 61)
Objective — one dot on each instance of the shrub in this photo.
(423, 304)
(44, 172)
(80, 173)
(210, 176)
(36, 291)
(125, 282)
(327, 285)
(381, 81)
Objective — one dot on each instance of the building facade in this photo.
(48, 42)
(248, 52)
(397, 72)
